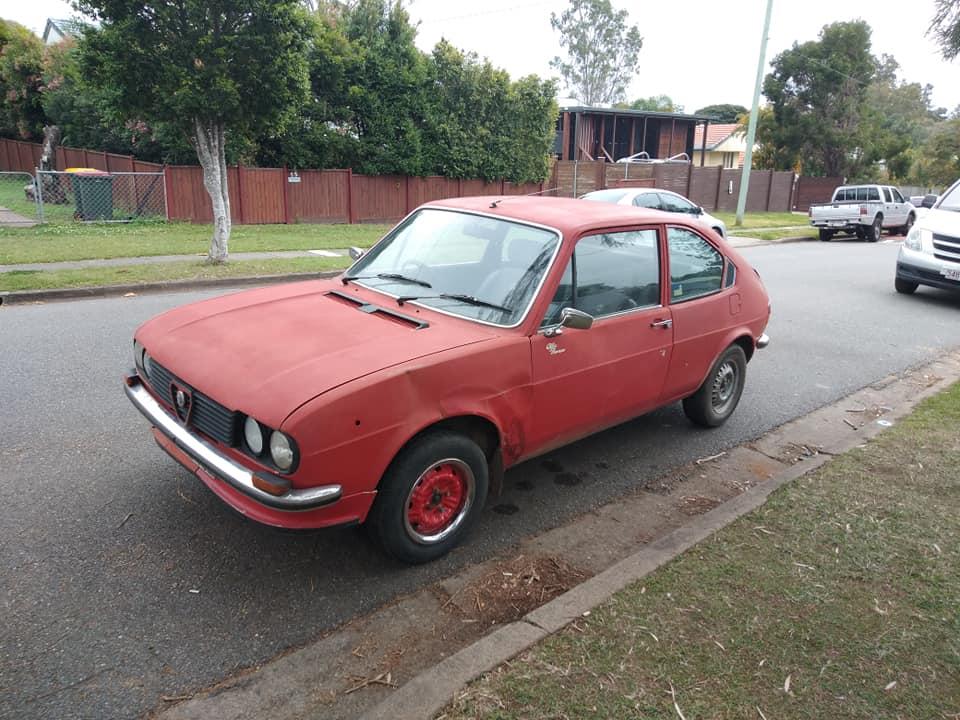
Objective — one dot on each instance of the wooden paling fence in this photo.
(275, 195)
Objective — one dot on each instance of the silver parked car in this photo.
(658, 200)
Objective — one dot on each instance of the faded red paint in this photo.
(352, 388)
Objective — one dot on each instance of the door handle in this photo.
(662, 323)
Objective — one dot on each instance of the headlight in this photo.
(914, 239)
(253, 435)
(138, 353)
(148, 365)
(281, 450)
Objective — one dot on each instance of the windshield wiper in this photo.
(468, 299)
(386, 276)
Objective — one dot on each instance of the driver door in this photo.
(585, 380)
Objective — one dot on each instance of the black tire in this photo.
(905, 230)
(714, 402)
(392, 519)
(826, 235)
(876, 229)
(905, 287)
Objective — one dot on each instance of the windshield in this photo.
(474, 266)
(951, 199)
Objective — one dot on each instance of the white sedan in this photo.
(658, 200)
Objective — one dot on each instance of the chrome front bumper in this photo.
(218, 464)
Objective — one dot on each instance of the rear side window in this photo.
(696, 267)
(647, 200)
(873, 193)
(886, 195)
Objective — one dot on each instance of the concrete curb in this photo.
(32, 296)
(425, 695)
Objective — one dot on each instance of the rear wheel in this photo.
(905, 286)
(876, 229)
(719, 395)
(826, 235)
(429, 497)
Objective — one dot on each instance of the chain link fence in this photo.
(18, 200)
(95, 196)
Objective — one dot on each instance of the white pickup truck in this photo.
(863, 210)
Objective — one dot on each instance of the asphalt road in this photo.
(125, 581)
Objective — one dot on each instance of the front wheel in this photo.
(719, 395)
(905, 230)
(905, 287)
(429, 497)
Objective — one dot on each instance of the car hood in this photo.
(266, 352)
(940, 221)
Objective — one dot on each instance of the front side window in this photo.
(897, 197)
(475, 266)
(608, 274)
(677, 204)
(696, 267)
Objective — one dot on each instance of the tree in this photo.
(601, 51)
(945, 27)
(818, 93)
(21, 81)
(216, 71)
(940, 161)
(723, 113)
(654, 103)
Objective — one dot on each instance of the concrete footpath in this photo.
(410, 658)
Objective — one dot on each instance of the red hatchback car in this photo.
(477, 333)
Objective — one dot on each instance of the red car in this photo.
(478, 333)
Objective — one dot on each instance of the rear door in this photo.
(701, 308)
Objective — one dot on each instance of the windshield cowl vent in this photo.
(373, 309)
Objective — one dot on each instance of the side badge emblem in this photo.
(554, 350)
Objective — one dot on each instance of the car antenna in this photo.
(496, 202)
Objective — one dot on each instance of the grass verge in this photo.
(133, 274)
(777, 233)
(837, 599)
(762, 220)
(87, 241)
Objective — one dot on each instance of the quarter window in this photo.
(608, 274)
(696, 267)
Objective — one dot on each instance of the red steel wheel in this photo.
(439, 501)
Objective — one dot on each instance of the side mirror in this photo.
(929, 201)
(356, 253)
(570, 318)
(698, 211)
(576, 319)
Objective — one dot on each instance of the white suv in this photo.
(931, 253)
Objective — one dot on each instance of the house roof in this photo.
(65, 27)
(623, 112)
(716, 134)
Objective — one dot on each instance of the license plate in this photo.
(951, 274)
(837, 223)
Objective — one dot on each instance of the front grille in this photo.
(208, 416)
(946, 247)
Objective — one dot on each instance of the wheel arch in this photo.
(480, 429)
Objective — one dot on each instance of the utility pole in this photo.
(752, 127)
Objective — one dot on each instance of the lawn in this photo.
(763, 220)
(158, 272)
(839, 598)
(85, 241)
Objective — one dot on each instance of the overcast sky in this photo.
(698, 52)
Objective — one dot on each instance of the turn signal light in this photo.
(273, 485)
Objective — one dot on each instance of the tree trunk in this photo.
(209, 141)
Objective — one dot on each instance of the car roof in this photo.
(568, 215)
